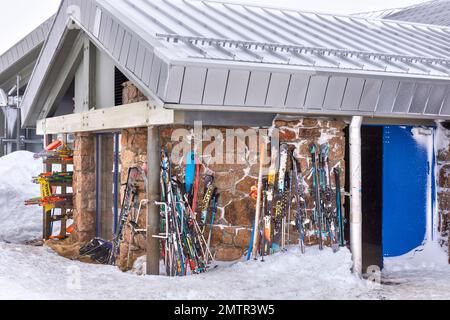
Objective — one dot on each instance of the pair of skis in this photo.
(327, 212)
(276, 202)
(184, 244)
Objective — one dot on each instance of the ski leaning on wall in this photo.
(286, 192)
(185, 237)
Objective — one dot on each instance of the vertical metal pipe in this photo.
(356, 194)
(19, 122)
(153, 218)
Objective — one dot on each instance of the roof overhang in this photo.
(210, 84)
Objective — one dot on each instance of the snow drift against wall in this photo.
(19, 223)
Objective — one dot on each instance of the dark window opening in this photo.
(119, 80)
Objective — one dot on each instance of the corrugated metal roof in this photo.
(212, 53)
(32, 41)
(221, 31)
(435, 12)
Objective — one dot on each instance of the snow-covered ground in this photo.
(38, 273)
(17, 222)
(28, 272)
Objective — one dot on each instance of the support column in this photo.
(356, 194)
(153, 165)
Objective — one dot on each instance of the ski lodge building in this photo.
(122, 76)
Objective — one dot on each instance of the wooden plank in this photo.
(134, 115)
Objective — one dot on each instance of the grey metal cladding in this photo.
(119, 41)
(370, 95)
(154, 74)
(148, 63)
(404, 97)
(445, 110)
(215, 87)
(175, 84)
(163, 78)
(420, 98)
(237, 86)
(132, 54)
(353, 94)
(316, 92)
(125, 49)
(298, 88)
(193, 85)
(139, 65)
(278, 88)
(335, 93)
(388, 93)
(257, 89)
(436, 100)
(30, 42)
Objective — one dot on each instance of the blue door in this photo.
(406, 174)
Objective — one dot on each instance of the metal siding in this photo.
(118, 43)
(257, 89)
(215, 87)
(132, 54)
(437, 96)
(125, 48)
(370, 95)
(404, 97)
(297, 91)
(388, 93)
(353, 94)
(112, 36)
(335, 93)
(193, 85)
(279, 84)
(174, 84)
(139, 61)
(316, 92)
(237, 87)
(445, 110)
(154, 74)
(163, 77)
(420, 98)
(147, 69)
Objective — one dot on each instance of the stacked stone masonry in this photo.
(443, 169)
(84, 187)
(233, 223)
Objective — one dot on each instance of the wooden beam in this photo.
(135, 115)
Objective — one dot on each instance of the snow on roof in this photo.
(167, 47)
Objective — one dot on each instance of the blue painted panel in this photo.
(405, 175)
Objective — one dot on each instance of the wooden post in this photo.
(153, 218)
(47, 220)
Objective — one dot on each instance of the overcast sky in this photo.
(19, 17)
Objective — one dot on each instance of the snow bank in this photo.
(18, 222)
(284, 276)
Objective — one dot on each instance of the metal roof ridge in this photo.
(398, 22)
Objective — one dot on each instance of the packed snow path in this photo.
(38, 273)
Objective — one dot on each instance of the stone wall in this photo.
(232, 227)
(443, 185)
(84, 187)
(84, 214)
(131, 94)
(133, 153)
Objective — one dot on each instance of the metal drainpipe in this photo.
(356, 194)
(153, 165)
